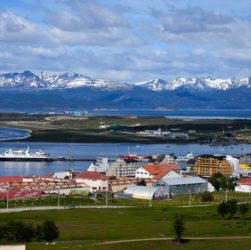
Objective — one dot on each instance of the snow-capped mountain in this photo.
(198, 83)
(45, 80)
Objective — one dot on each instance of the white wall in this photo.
(243, 188)
(141, 173)
(13, 247)
(94, 184)
(171, 174)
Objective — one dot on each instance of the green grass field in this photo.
(85, 228)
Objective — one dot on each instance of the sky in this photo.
(129, 40)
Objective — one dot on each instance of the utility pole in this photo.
(150, 198)
(58, 199)
(7, 196)
(190, 199)
(106, 197)
(226, 195)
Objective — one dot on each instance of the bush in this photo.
(18, 232)
(50, 231)
(243, 208)
(228, 208)
(206, 196)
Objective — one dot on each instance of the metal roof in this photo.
(183, 181)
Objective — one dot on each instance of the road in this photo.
(171, 238)
(22, 209)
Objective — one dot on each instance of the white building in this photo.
(158, 171)
(96, 180)
(244, 185)
(234, 162)
(101, 165)
(124, 167)
(67, 174)
(146, 192)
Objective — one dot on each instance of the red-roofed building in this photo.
(96, 180)
(244, 185)
(17, 194)
(158, 171)
(9, 179)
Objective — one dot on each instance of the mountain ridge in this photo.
(46, 80)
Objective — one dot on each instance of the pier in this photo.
(79, 159)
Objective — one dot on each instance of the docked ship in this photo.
(24, 155)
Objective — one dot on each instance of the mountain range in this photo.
(45, 80)
(49, 91)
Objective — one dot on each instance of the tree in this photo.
(17, 231)
(223, 209)
(218, 180)
(178, 228)
(243, 208)
(50, 231)
(232, 208)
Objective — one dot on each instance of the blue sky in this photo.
(129, 40)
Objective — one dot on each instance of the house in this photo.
(158, 171)
(176, 186)
(244, 185)
(95, 180)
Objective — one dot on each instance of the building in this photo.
(207, 165)
(176, 186)
(95, 180)
(120, 184)
(67, 174)
(157, 171)
(146, 193)
(101, 165)
(244, 185)
(125, 167)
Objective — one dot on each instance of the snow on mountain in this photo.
(198, 83)
(45, 80)
(155, 84)
(21, 80)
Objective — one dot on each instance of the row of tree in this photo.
(231, 208)
(17, 231)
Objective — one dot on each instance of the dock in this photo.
(79, 159)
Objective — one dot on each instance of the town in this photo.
(156, 177)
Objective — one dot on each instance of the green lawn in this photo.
(232, 244)
(90, 226)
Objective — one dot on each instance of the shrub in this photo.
(206, 196)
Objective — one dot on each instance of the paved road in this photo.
(21, 209)
(171, 238)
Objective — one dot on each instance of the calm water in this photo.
(193, 114)
(100, 149)
(12, 133)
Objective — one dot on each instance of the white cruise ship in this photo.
(24, 155)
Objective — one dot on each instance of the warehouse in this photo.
(146, 192)
(177, 186)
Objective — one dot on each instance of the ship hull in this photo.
(25, 159)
